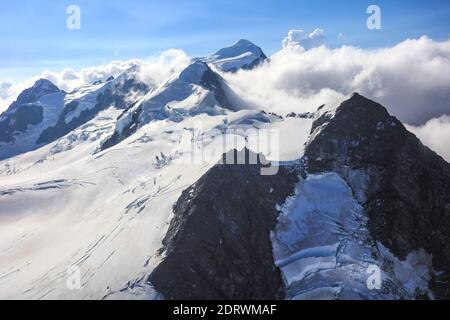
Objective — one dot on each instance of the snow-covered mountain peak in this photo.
(196, 90)
(41, 88)
(240, 47)
(241, 55)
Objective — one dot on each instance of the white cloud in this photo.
(410, 79)
(436, 135)
(297, 39)
(153, 69)
(293, 38)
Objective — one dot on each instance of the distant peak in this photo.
(243, 45)
(244, 42)
(241, 55)
(45, 84)
(361, 101)
(40, 88)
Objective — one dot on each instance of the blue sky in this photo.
(34, 36)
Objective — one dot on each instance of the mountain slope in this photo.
(69, 204)
(34, 110)
(218, 244)
(196, 90)
(329, 233)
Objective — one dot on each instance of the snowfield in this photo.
(106, 213)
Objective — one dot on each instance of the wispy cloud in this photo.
(436, 135)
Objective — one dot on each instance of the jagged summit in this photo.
(359, 101)
(241, 55)
(366, 128)
(357, 113)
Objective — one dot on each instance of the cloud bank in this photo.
(411, 79)
(298, 38)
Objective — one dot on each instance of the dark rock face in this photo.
(126, 132)
(18, 121)
(304, 115)
(218, 244)
(408, 187)
(213, 82)
(124, 87)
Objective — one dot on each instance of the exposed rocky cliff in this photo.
(218, 244)
(405, 187)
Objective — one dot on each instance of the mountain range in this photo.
(101, 187)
